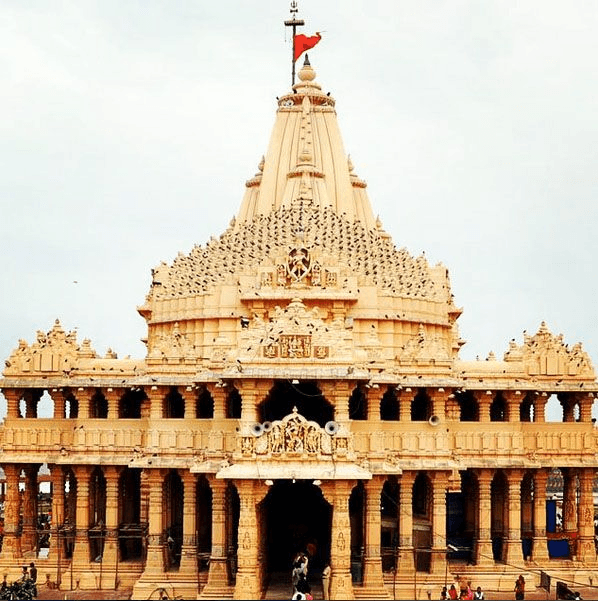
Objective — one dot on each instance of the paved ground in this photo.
(281, 592)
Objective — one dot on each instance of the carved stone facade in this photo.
(301, 365)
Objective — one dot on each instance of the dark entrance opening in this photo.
(306, 396)
(298, 518)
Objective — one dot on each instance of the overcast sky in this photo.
(128, 129)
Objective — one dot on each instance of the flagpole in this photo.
(294, 23)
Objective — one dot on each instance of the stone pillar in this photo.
(585, 406)
(189, 395)
(219, 395)
(484, 400)
(189, 547)
(32, 398)
(338, 393)
(540, 544)
(513, 400)
(58, 479)
(540, 407)
(406, 559)
(156, 396)
(11, 546)
(586, 550)
(438, 558)
(249, 397)
(439, 399)
(13, 398)
(84, 395)
(483, 545)
(570, 506)
(155, 547)
(341, 585)
(372, 572)
(110, 554)
(247, 585)
(29, 536)
(59, 403)
(406, 398)
(81, 550)
(113, 396)
(513, 553)
(218, 574)
(375, 394)
(567, 403)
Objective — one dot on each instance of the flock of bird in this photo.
(243, 247)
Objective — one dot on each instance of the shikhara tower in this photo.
(302, 389)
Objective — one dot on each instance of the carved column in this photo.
(13, 398)
(540, 544)
(11, 546)
(81, 550)
(219, 395)
(372, 572)
(338, 394)
(109, 556)
(156, 396)
(247, 585)
(484, 399)
(58, 479)
(406, 559)
(84, 395)
(540, 407)
(586, 550)
(570, 507)
(341, 585)
(32, 398)
(155, 545)
(438, 558)
(375, 394)
(189, 547)
(59, 403)
(483, 545)
(406, 398)
(513, 400)
(218, 575)
(512, 550)
(567, 403)
(29, 536)
(439, 399)
(190, 397)
(249, 397)
(113, 396)
(585, 407)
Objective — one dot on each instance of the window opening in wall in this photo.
(358, 408)
(498, 409)
(389, 406)
(233, 404)
(421, 407)
(205, 404)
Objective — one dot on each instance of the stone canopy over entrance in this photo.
(302, 388)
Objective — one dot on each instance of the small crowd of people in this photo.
(465, 591)
(24, 588)
(301, 588)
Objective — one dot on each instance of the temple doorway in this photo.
(298, 518)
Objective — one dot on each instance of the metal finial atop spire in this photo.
(294, 23)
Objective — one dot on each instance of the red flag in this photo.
(303, 43)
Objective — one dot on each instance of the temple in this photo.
(302, 391)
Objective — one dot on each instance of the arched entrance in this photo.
(298, 518)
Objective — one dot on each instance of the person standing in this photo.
(326, 581)
(33, 572)
(520, 588)
(479, 593)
